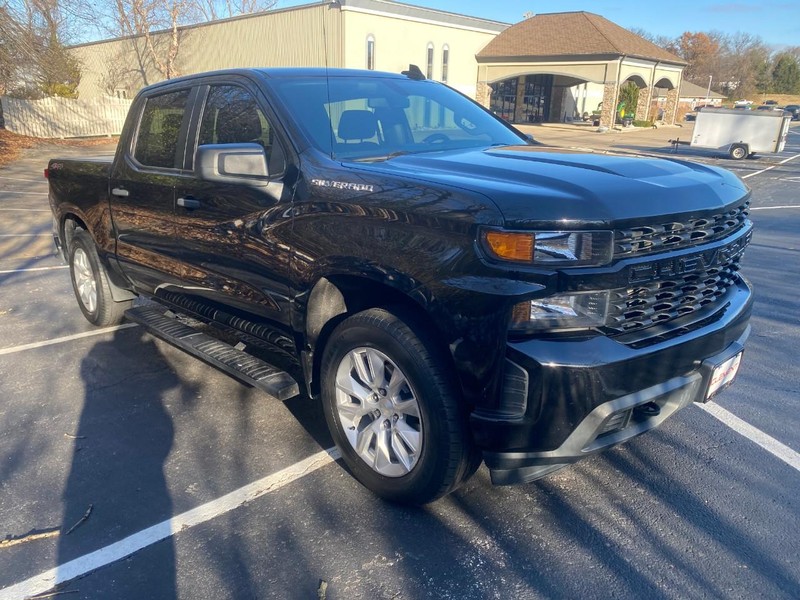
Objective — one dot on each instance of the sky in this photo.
(776, 22)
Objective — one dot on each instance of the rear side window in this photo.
(232, 116)
(159, 130)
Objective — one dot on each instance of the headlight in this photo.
(549, 248)
(583, 310)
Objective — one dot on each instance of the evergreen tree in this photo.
(786, 74)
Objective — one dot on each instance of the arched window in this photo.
(371, 52)
(445, 61)
(429, 62)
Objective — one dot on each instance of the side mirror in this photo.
(231, 163)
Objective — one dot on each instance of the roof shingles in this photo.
(572, 34)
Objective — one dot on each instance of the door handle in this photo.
(119, 192)
(188, 203)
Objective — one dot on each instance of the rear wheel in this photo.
(392, 407)
(90, 283)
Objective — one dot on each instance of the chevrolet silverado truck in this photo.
(451, 292)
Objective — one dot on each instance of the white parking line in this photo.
(66, 338)
(45, 581)
(783, 162)
(35, 269)
(24, 234)
(26, 180)
(27, 209)
(768, 443)
(24, 193)
(773, 207)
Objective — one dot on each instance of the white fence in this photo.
(63, 117)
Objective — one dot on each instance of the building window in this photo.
(445, 61)
(371, 52)
(536, 98)
(429, 62)
(504, 98)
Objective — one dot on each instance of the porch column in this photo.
(671, 108)
(609, 110)
(643, 104)
(519, 101)
(483, 94)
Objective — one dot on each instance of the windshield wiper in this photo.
(382, 157)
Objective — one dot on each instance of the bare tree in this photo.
(158, 24)
(34, 60)
(745, 62)
(662, 41)
(143, 18)
(211, 10)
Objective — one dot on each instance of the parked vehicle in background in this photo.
(740, 134)
(793, 110)
(771, 102)
(450, 293)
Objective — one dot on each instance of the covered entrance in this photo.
(523, 99)
(572, 66)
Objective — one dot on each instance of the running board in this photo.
(238, 364)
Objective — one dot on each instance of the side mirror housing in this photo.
(231, 163)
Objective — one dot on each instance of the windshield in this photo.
(373, 118)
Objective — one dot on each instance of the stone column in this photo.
(643, 104)
(609, 110)
(671, 107)
(483, 94)
(519, 101)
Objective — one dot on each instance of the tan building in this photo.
(556, 67)
(550, 67)
(357, 34)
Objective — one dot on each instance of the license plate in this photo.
(722, 375)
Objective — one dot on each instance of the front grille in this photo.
(647, 304)
(647, 239)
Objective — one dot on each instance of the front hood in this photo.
(535, 187)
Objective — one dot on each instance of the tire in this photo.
(90, 283)
(738, 151)
(393, 410)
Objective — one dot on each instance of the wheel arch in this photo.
(70, 223)
(336, 297)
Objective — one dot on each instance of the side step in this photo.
(238, 364)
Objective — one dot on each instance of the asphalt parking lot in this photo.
(130, 470)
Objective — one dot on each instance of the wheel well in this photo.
(68, 227)
(333, 300)
(70, 224)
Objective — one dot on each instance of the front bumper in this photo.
(583, 395)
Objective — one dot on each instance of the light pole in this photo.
(708, 91)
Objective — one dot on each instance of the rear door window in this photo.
(158, 140)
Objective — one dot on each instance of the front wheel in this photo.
(90, 283)
(392, 407)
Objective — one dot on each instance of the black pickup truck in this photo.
(450, 291)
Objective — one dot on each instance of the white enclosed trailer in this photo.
(740, 133)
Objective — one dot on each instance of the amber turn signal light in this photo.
(510, 245)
